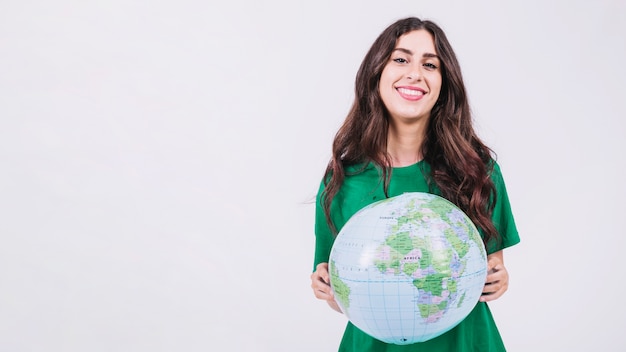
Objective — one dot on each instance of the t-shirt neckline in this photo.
(408, 169)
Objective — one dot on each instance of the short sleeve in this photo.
(502, 215)
(324, 237)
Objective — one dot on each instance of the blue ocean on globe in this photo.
(408, 268)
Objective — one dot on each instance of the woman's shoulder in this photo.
(360, 168)
(353, 172)
(495, 171)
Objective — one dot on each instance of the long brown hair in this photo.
(460, 162)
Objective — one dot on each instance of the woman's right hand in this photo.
(320, 283)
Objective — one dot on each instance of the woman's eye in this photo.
(400, 60)
(430, 66)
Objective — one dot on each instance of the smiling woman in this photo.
(410, 130)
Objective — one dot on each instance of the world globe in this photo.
(408, 268)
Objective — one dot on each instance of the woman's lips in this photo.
(411, 93)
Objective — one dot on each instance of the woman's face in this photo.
(411, 81)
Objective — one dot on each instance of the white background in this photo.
(159, 158)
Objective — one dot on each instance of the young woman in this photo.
(410, 130)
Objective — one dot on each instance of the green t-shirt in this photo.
(478, 331)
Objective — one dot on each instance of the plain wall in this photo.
(159, 159)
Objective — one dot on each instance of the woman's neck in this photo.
(404, 144)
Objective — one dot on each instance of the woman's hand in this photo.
(320, 283)
(497, 281)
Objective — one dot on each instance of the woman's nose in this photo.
(414, 73)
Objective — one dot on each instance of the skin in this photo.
(409, 87)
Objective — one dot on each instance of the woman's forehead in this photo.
(416, 41)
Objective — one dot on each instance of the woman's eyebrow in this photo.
(409, 52)
(406, 51)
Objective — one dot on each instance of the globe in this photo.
(408, 268)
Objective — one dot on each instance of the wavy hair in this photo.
(460, 162)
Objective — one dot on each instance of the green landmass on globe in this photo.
(341, 290)
(400, 245)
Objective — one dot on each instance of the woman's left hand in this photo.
(497, 281)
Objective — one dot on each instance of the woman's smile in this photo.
(411, 93)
